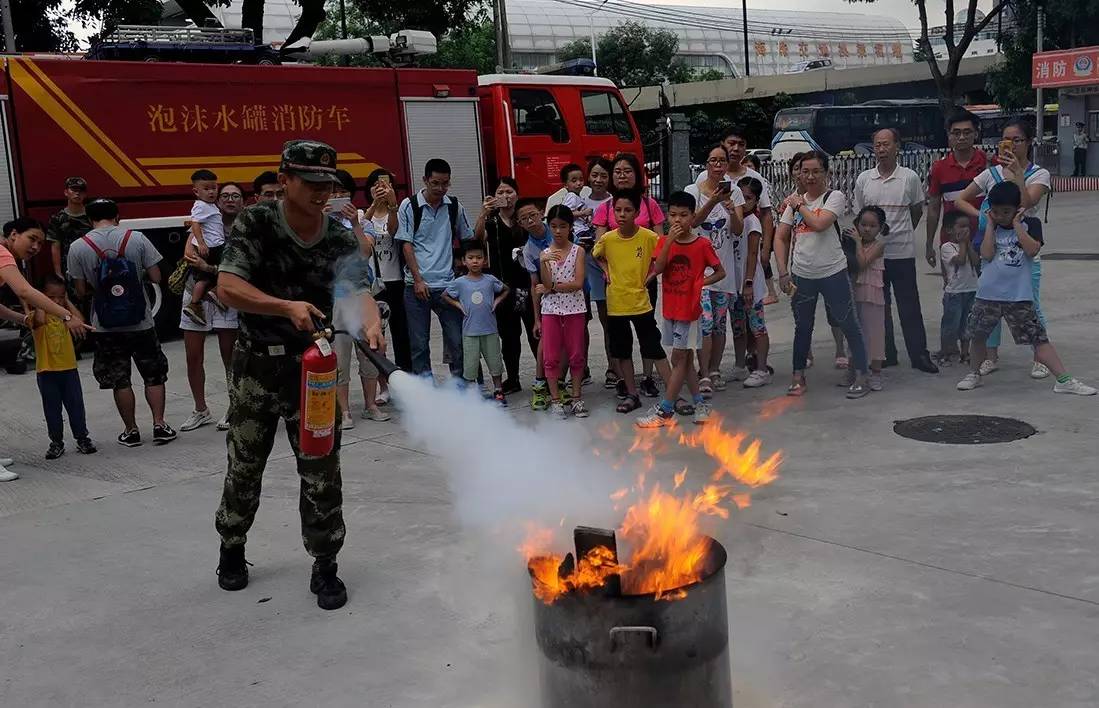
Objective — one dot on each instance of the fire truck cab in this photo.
(536, 124)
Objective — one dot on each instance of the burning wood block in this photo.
(598, 547)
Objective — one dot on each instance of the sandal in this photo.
(797, 388)
(683, 407)
(630, 404)
(842, 362)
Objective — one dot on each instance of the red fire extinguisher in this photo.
(318, 398)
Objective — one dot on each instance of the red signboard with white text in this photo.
(1071, 67)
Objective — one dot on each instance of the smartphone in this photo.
(336, 203)
(384, 178)
(1006, 146)
(500, 202)
(725, 185)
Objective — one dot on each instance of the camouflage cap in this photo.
(76, 183)
(311, 160)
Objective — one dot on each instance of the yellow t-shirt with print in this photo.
(53, 346)
(628, 264)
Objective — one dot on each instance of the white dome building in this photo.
(712, 37)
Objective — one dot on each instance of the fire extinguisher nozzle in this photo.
(385, 366)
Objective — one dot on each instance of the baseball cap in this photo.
(75, 183)
(311, 160)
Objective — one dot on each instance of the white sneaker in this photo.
(7, 475)
(757, 379)
(557, 410)
(718, 381)
(1074, 386)
(5, 461)
(740, 373)
(196, 420)
(1039, 371)
(988, 366)
(970, 382)
(376, 414)
(382, 398)
(223, 424)
(702, 413)
(875, 382)
(657, 418)
(348, 422)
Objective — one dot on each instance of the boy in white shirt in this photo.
(208, 238)
(959, 261)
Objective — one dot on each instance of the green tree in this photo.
(357, 26)
(471, 46)
(958, 37)
(1069, 24)
(755, 116)
(708, 75)
(632, 54)
(437, 16)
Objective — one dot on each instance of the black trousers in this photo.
(393, 295)
(1080, 162)
(900, 283)
(510, 325)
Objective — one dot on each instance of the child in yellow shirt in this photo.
(58, 378)
(626, 256)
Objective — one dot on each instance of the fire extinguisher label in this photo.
(319, 406)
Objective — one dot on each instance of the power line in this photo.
(678, 17)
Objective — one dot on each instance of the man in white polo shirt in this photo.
(899, 192)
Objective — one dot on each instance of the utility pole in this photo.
(1040, 107)
(503, 42)
(345, 60)
(744, 18)
(9, 31)
(591, 33)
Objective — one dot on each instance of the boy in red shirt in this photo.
(687, 262)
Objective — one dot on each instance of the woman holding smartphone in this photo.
(499, 229)
(382, 215)
(1013, 156)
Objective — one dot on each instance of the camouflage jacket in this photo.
(64, 228)
(266, 252)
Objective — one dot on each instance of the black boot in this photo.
(232, 569)
(330, 590)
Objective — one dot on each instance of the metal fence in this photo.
(846, 168)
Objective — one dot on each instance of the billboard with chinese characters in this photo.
(1071, 67)
(136, 131)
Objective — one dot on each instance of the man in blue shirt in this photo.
(427, 245)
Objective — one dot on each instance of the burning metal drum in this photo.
(598, 649)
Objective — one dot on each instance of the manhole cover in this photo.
(963, 429)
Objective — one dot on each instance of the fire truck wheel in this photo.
(156, 298)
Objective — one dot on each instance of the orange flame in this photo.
(661, 530)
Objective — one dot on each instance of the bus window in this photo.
(536, 113)
(788, 119)
(604, 115)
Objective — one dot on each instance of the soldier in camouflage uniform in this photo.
(278, 271)
(69, 224)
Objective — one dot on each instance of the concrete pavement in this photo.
(877, 571)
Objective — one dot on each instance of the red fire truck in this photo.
(136, 131)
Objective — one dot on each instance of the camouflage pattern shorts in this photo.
(115, 350)
(1022, 319)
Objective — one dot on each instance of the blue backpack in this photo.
(120, 297)
(982, 220)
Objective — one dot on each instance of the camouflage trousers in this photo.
(262, 389)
